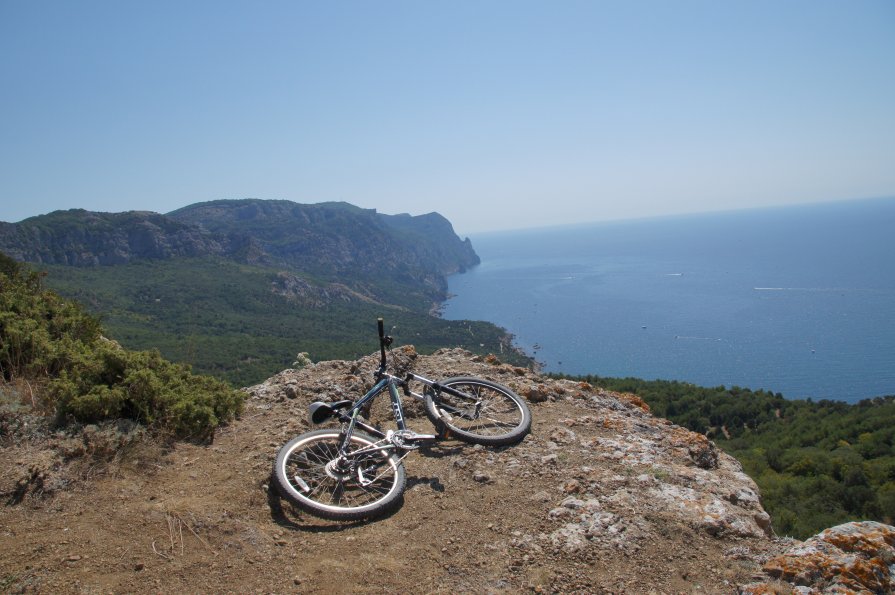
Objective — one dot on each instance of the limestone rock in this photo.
(856, 557)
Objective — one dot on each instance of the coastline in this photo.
(507, 341)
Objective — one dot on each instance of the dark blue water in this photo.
(798, 300)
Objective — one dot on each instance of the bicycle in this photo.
(356, 471)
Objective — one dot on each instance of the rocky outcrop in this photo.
(855, 557)
(310, 295)
(622, 476)
(624, 480)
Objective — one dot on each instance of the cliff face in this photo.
(601, 497)
(84, 238)
(340, 237)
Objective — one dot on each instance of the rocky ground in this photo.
(601, 497)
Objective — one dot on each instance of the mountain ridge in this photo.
(336, 241)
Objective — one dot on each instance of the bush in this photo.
(89, 378)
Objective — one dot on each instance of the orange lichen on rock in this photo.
(632, 399)
(613, 424)
(701, 450)
(854, 556)
(862, 538)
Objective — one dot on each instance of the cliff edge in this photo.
(601, 497)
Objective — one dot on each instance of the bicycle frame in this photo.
(352, 417)
(387, 382)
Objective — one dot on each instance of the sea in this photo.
(798, 300)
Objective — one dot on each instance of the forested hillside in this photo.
(245, 323)
(817, 463)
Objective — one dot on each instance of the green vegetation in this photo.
(52, 344)
(226, 319)
(817, 464)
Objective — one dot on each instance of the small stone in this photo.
(542, 496)
(572, 503)
(536, 395)
(139, 566)
(573, 486)
(559, 513)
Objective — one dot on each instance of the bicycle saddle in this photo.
(320, 411)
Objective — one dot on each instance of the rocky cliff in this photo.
(338, 236)
(601, 497)
(336, 242)
(84, 238)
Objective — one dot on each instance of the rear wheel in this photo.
(310, 473)
(488, 413)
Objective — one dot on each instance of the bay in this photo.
(797, 300)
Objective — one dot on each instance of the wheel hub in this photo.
(338, 470)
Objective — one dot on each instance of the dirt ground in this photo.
(202, 519)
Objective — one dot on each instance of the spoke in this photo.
(310, 464)
(497, 413)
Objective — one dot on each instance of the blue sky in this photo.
(496, 114)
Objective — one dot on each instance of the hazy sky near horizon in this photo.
(496, 114)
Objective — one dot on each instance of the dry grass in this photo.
(172, 543)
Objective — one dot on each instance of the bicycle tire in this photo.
(504, 417)
(304, 476)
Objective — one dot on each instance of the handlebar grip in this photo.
(381, 328)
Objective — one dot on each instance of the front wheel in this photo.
(484, 413)
(363, 483)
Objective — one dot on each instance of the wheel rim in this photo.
(313, 477)
(498, 415)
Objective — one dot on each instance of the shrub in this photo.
(89, 378)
